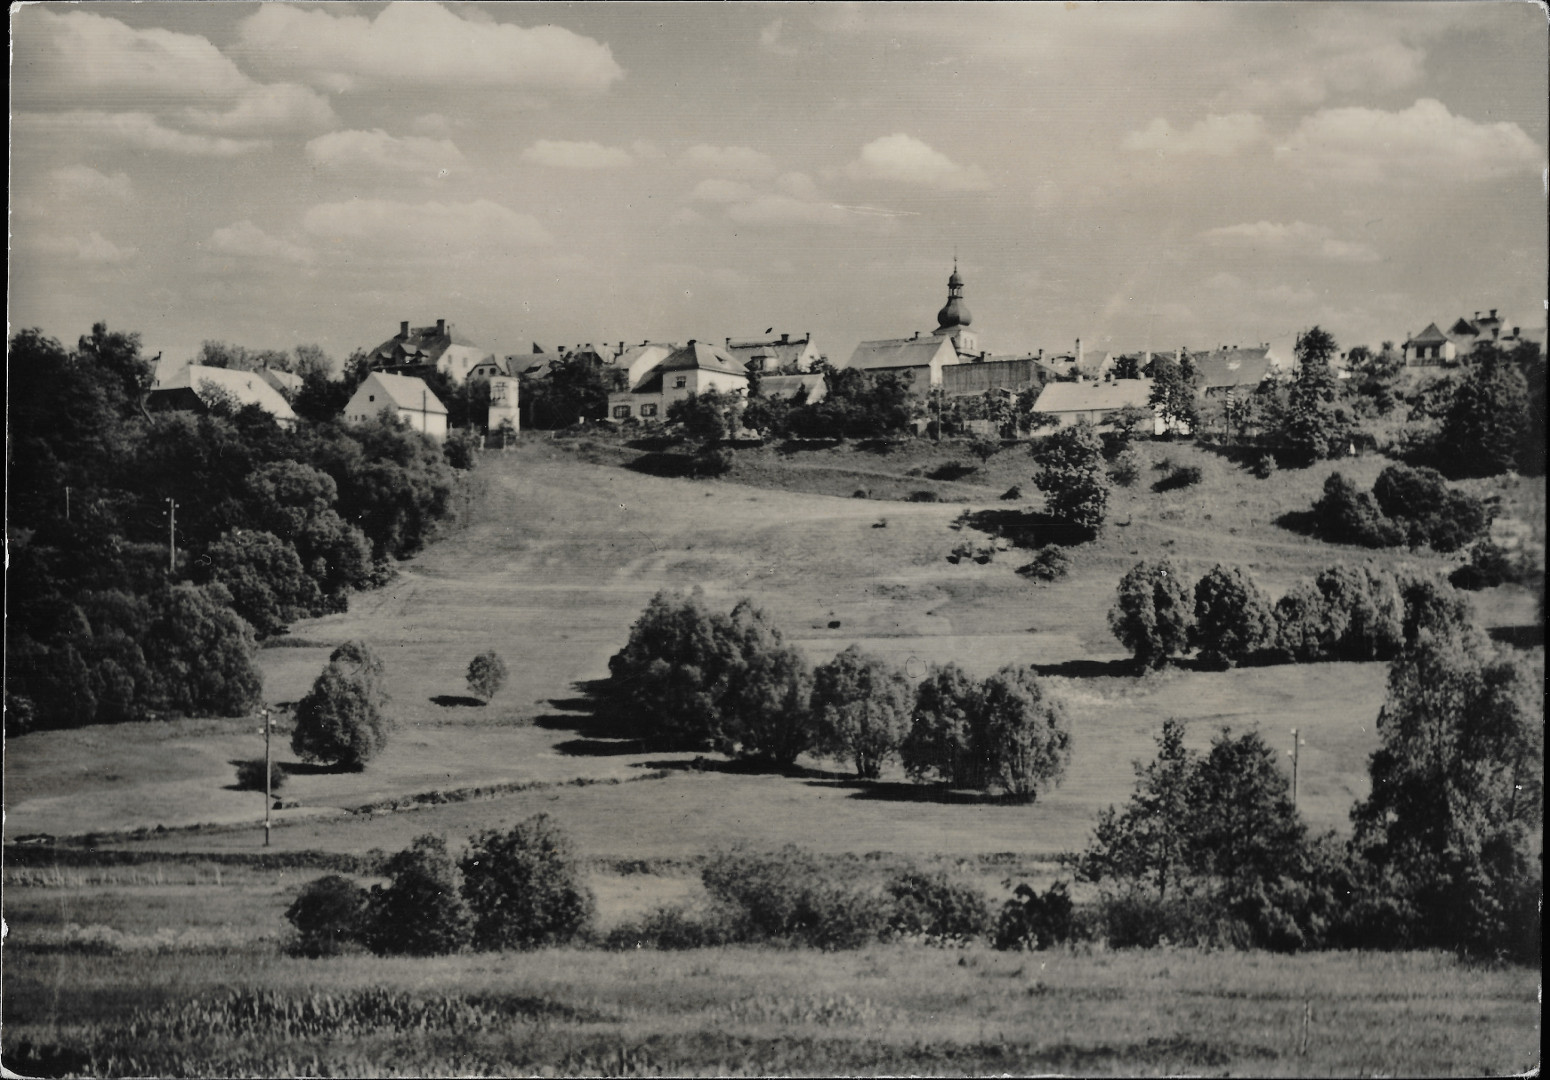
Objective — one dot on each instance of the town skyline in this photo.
(1141, 177)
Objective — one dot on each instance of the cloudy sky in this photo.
(1139, 175)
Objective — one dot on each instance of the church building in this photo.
(921, 359)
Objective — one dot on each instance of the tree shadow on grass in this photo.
(1519, 637)
(904, 791)
(1301, 522)
(1092, 669)
(743, 767)
(667, 465)
(603, 747)
(452, 700)
(593, 716)
(796, 446)
(953, 470)
(1027, 528)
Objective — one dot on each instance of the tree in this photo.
(330, 914)
(1072, 476)
(1314, 426)
(201, 653)
(1345, 514)
(1234, 619)
(766, 691)
(487, 674)
(1153, 612)
(1428, 511)
(421, 912)
(1483, 430)
(524, 887)
(1457, 794)
(338, 722)
(265, 578)
(1173, 396)
(1027, 738)
(942, 743)
(862, 706)
(1132, 419)
(668, 675)
(1147, 845)
(708, 418)
(364, 665)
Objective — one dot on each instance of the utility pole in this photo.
(1296, 744)
(172, 536)
(268, 793)
(67, 502)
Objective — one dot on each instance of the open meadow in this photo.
(158, 897)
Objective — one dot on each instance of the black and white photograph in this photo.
(1094, 627)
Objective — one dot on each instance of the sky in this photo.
(1137, 175)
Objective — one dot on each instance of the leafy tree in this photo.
(862, 705)
(1314, 426)
(1483, 430)
(708, 418)
(1345, 514)
(311, 361)
(1173, 396)
(1457, 795)
(942, 743)
(1148, 845)
(1126, 467)
(669, 673)
(1234, 619)
(1071, 475)
(330, 914)
(1430, 512)
(1153, 612)
(1130, 421)
(363, 664)
(765, 701)
(118, 355)
(421, 912)
(1027, 737)
(487, 674)
(201, 653)
(524, 887)
(265, 578)
(859, 405)
(1345, 613)
(572, 391)
(339, 721)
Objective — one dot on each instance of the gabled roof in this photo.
(901, 353)
(1062, 397)
(423, 345)
(246, 387)
(1463, 328)
(1226, 368)
(284, 381)
(1096, 363)
(774, 353)
(1430, 336)
(406, 392)
(698, 355)
(808, 388)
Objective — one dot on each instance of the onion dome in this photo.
(955, 312)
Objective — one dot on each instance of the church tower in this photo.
(954, 318)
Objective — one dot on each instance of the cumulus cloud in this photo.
(247, 241)
(85, 182)
(427, 45)
(1424, 143)
(429, 230)
(556, 154)
(1291, 239)
(93, 248)
(784, 210)
(739, 161)
(718, 190)
(280, 107)
(377, 151)
(138, 129)
(905, 159)
(1220, 136)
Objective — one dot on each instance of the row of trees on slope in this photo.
(270, 525)
(693, 678)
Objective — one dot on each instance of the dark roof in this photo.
(423, 345)
(1232, 367)
(898, 352)
(1430, 336)
(775, 354)
(699, 355)
(796, 388)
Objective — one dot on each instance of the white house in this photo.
(401, 395)
(1097, 402)
(414, 350)
(196, 386)
(920, 359)
(775, 354)
(694, 368)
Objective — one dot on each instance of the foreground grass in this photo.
(750, 1011)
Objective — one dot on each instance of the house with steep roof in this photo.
(1235, 371)
(805, 389)
(417, 350)
(919, 359)
(402, 395)
(695, 368)
(196, 387)
(1096, 402)
(785, 354)
(1430, 347)
(628, 366)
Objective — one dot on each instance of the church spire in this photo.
(956, 312)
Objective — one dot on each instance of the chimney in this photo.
(691, 343)
(729, 342)
(1493, 313)
(403, 330)
(441, 327)
(1477, 314)
(1078, 352)
(785, 339)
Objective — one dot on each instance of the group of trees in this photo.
(1406, 506)
(693, 678)
(1343, 613)
(514, 889)
(270, 524)
(1211, 850)
(858, 405)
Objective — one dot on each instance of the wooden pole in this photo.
(268, 792)
(1296, 743)
(172, 536)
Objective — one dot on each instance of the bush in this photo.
(1489, 566)
(787, 898)
(524, 887)
(1051, 563)
(711, 463)
(421, 912)
(1264, 466)
(861, 705)
(1347, 515)
(1234, 619)
(487, 674)
(935, 907)
(339, 721)
(1031, 922)
(1026, 737)
(1345, 613)
(679, 927)
(330, 916)
(924, 497)
(942, 742)
(250, 775)
(765, 704)
(1427, 510)
(1012, 493)
(1072, 477)
(1153, 612)
(1125, 470)
(362, 662)
(668, 675)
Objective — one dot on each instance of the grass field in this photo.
(555, 565)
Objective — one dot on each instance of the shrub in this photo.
(1153, 612)
(362, 662)
(1345, 613)
(421, 912)
(1072, 477)
(941, 744)
(924, 497)
(1012, 493)
(1050, 563)
(1125, 470)
(524, 887)
(339, 721)
(487, 674)
(250, 775)
(937, 908)
(1427, 510)
(861, 705)
(680, 927)
(1347, 515)
(1032, 922)
(669, 671)
(712, 462)
(765, 703)
(1489, 565)
(1234, 619)
(1264, 466)
(786, 897)
(1026, 736)
(330, 915)
(1482, 432)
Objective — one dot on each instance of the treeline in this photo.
(692, 678)
(109, 620)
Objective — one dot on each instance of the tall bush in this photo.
(943, 743)
(330, 915)
(1072, 476)
(487, 674)
(862, 706)
(524, 887)
(766, 700)
(421, 911)
(1027, 737)
(339, 721)
(1153, 612)
(1234, 619)
(669, 672)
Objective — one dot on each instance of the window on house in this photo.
(622, 412)
(680, 382)
(648, 410)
